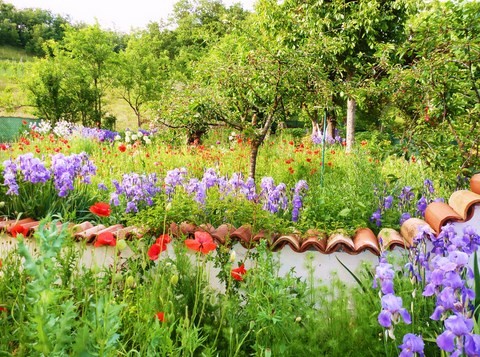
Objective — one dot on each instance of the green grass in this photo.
(14, 54)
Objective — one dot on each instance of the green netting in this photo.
(10, 127)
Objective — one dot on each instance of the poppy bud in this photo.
(174, 279)
(130, 282)
(233, 255)
(121, 244)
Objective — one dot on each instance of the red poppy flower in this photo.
(160, 316)
(122, 147)
(202, 243)
(238, 273)
(101, 209)
(18, 229)
(105, 238)
(163, 239)
(159, 246)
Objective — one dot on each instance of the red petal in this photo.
(208, 247)
(160, 316)
(18, 229)
(154, 251)
(203, 237)
(105, 238)
(163, 239)
(101, 209)
(193, 244)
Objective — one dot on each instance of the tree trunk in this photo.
(351, 107)
(253, 158)
(331, 125)
(259, 138)
(315, 125)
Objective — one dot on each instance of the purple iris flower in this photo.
(377, 217)
(392, 311)
(412, 344)
(404, 217)
(422, 206)
(173, 179)
(10, 177)
(297, 200)
(456, 327)
(385, 274)
(472, 345)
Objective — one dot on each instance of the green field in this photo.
(13, 99)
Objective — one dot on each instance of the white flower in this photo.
(127, 139)
(233, 255)
(134, 137)
(147, 140)
(117, 137)
(139, 134)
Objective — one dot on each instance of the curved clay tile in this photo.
(461, 201)
(243, 234)
(81, 227)
(340, 242)
(438, 214)
(365, 239)
(475, 183)
(223, 233)
(90, 233)
(31, 226)
(112, 229)
(128, 233)
(206, 228)
(293, 240)
(187, 229)
(314, 239)
(411, 227)
(389, 238)
(174, 230)
(5, 225)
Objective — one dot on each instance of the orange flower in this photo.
(238, 273)
(101, 209)
(202, 243)
(122, 147)
(18, 229)
(105, 238)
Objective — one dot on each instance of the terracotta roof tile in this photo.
(90, 233)
(293, 240)
(437, 215)
(475, 183)
(223, 233)
(389, 238)
(6, 224)
(461, 201)
(410, 229)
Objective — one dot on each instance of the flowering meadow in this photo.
(160, 301)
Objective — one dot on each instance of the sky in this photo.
(120, 15)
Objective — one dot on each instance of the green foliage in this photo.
(29, 28)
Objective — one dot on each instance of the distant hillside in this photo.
(13, 62)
